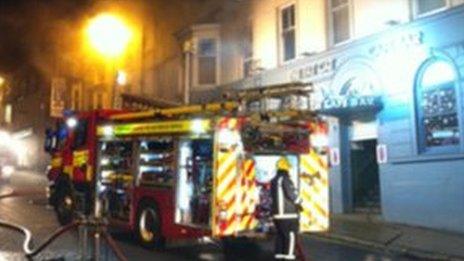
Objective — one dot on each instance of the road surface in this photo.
(32, 212)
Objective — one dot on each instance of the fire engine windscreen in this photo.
(194, 182)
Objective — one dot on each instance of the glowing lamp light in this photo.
(71, 122)
(7, 171)
(108, 131)
(108, 34)
(199, 126)
(438, 73)
(2, 80)
(104, 161)
(121, 78)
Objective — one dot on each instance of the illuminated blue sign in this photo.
(345, 104)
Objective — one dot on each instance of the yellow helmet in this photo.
(283, 164)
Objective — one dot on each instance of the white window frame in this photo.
(281, 32)
(331, 30)
(197, 61)
(199, 32)
(415, 9)
(8, 113)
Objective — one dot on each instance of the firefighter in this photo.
(285, 207)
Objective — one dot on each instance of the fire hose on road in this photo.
(28, 236)
(100, 229)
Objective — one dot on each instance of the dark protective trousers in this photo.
(285, 240)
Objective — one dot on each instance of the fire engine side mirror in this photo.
(50, 141)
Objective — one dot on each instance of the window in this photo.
(437, 108)
(76, 97)
(340, 20)
(288, 33)
(8, 113)
(99, 100)
(207, 61)
(423, 7)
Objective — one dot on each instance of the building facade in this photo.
(387, 76)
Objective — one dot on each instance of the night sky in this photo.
(28, 28)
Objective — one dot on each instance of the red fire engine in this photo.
(190, 171)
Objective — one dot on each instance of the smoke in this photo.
(32, 32)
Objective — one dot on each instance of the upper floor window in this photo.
(99, 100)
(424, 7)
(287, 33)
(207, 61)
(76, 97)
(437, 108)
(340, 20)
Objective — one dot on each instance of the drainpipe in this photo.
(187, 59)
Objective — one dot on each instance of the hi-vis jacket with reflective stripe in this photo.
(284, 197)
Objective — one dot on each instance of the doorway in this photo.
(365, 176)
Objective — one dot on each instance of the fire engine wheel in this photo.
(64, 207)
(149, 226)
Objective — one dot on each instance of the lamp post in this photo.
(109, 35)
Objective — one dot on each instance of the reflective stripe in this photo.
(284, 216)
(314, 191)
(291, 246)
(286, 257)
(280, 206)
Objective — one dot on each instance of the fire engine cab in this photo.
(189, 171)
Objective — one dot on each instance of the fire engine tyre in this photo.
(64, 206)
(149, 226)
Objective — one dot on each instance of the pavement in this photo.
(371, 231)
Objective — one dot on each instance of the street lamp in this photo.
(109, 35)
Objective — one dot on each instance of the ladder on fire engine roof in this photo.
(238, 102)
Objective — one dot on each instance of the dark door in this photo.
(365, 176)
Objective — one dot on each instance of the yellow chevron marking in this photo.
(308, 167)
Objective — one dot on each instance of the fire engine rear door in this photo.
(314, 191)
(234, 190)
